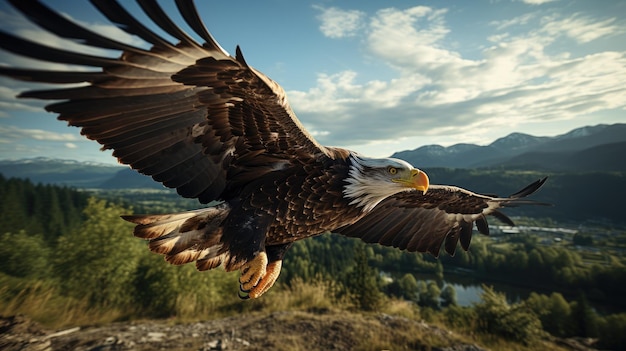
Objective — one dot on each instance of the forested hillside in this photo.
(88, 268)
(45, 210)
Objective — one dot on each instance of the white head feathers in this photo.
(369, 181)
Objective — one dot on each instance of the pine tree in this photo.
(14, 214)
(584, 319)
(362, 282)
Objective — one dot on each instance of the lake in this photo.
(469, 289)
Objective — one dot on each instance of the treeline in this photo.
(45, 210)
(89, 268)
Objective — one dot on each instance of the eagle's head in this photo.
(371, 180)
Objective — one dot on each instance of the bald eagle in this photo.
(214, 128)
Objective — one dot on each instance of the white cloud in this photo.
(438, 91)
(537, 2)
(71, 146)
(580, 28)
(515, 21)
(12, 132)
(410, 37)
(8, 102)
(338, 23)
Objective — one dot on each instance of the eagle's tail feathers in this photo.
(186, 236)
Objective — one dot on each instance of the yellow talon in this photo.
(257, 276)
(252, 272)
(271, 274)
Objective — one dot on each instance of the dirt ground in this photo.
(274, 331)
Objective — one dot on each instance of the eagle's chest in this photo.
(310, 218)
(303, 206)
(301, 223)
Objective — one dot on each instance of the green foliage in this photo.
(514, 322)
(429, 294)
(163, 290)
(157, 286)
(458, 317)
(448, 296)
(554, 312)
(24, 256)
(327, 256)
(99, 259)
(611, 332)
(406, 287)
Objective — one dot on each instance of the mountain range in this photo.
(57, 171)
(591, 148)
(76, 174)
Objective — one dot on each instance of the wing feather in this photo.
(187, 114)
(192, 18)
(117, 14)
(61, 26)
(31, 49)
(156, 14)
(444, 216)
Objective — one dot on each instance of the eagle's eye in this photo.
(392, 170)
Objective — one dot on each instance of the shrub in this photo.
(514, 322)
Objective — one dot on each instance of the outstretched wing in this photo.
(445, 215)
(187, 114)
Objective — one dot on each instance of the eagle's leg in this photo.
(265, 265)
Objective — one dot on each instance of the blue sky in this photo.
(382, 76)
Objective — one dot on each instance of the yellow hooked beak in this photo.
(415, 179)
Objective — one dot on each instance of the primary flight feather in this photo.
(209, 125)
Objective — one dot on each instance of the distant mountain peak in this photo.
(584, 131)
(516, 141)
(463, 147)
